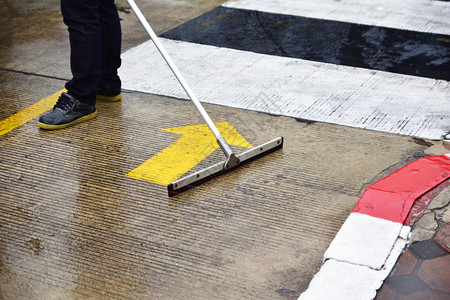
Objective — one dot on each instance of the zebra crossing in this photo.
(413, 15)
(381, 66)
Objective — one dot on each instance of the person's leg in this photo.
(110, 85)
(85, 35)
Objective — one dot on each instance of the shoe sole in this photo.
(74, 122)
(109, 98)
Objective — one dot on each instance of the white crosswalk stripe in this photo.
(414, 15)
(298, 88)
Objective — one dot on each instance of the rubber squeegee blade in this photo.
(197, 178)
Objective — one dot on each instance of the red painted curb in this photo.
(392, 197)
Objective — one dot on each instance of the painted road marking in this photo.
(195, 144)
(354, 45)
(374, 235)
(361, 98)
(392, 197)
(29, 113)
(415, 15)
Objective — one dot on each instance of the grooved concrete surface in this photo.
(73, 226)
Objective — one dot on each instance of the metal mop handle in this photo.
(232, 160)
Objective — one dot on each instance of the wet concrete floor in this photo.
(73, 226)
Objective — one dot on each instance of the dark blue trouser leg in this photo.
(110, 83)
(95, 41)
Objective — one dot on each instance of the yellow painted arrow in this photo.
(25, 115)
(195, 144)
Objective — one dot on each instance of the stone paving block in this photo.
(423, 202)
(428, 222)
(427, 249)
(436, 273)
(405, 264)
(405, 285)
(431, 295)
(443, 237)
(442, 197)
(446, 216)
(386, 293)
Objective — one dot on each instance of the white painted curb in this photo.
(364, 240)
(358, 260)
(345, 281)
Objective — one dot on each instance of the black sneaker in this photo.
(68, 111)
(107, 95)
(112, 98)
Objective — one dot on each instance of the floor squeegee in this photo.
(232, 160)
